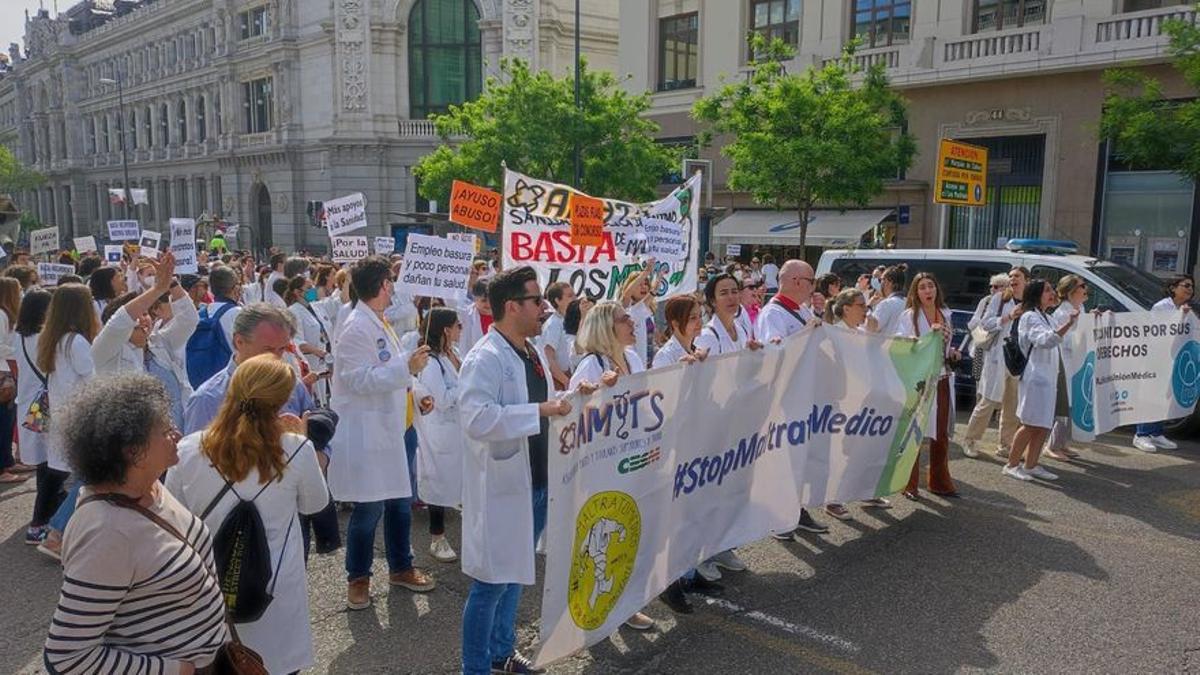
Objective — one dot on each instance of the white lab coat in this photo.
(495, 412)
(1039, 383)
(888, 312)
(555, 335)
(472, 330)
(370, 384)
(904, 328)
(670, 353)
(776, 321)
(402, 313)
(311, 330)
(73, 366)
(717, 340)
(440, 455)
(29, 385)
(994, 319)
(593, 366)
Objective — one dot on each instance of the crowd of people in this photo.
(176, 422)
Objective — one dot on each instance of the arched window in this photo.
(445, 58)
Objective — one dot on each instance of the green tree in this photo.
(14, 176)
(802, 139)
(1148, 130)
(530, 121)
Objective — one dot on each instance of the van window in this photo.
(963, 282)
(1097, 298)
(1141, 286)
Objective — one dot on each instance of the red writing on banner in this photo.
(474, 207)
(557, 247)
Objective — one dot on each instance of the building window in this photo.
(880, 23)
(445, 57)
(182, 122)
(217, 113)
(133, 139)
(91, 136)
(678, 53)
(147, 128)
(253, 22)
(257, 104)
(1002, 14)
(164, 126)
(201, 124)
(1139, 5)
(776, 19)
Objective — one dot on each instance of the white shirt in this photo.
(770, 273)
(73, 366)
(643, 320)
(777, 321)
(888, 312)
(670, 353)
(717, 340)
(554, 335)
(29, 385)
(592, 366)
(6, 342)
(1166, 304)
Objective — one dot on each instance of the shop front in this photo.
(754, 232)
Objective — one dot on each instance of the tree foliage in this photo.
(14, 176)
(530, 121)
(1146, 129)
(798, 140)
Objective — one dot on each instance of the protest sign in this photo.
(664, 239)
(149, 244)
(85, 244)
(384, 245)
(231, 233)
(474, 207)
(183, 245)
(733, 250)
(112, 254)
(123, 230)
(653, 475)
(50, 273)
(43, 241)
(587, 220)
(537, 232)
(1130, 368)
(467, 237)
(349, 249)
(436, 267)
(346, 214)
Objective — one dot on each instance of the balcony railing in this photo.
(1023, 41)
(889, 57)
(420, 129)
(1141, 25)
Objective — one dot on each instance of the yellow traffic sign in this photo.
(961, 174)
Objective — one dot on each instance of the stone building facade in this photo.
(247, 109)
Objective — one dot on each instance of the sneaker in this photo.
(515, 664)
(807, 524)
(1040, 471)
(784, 536)
(358, 593)
(876, 503)
(730, 561)
(639, 621)
(676, 599)
(1145, 444)
(442, 551)
(35, 535)
(699, 584)
(1163, 442)
(413, 579)
(970, 450)
(838, 511)
(1017, 472)
(708, 570)
(51, 548)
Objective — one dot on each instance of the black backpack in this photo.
(243, 557)
(1014, 359)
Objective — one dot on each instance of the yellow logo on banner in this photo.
(607, 532)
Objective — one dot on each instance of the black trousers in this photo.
(323, 526)
(50, 493)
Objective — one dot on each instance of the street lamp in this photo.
(124, 154)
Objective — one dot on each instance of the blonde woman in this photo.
(992, 315)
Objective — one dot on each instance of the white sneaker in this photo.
(1040, 471)
(708, 570)
(442, 551)
(1162, 442)
(970, 450)
(1017, 472)
(730, 561)
(1145, 444)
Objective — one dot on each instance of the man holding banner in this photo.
(1149, 437)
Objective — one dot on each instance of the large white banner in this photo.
(667, 468)
(1129, 368)
(537, 232)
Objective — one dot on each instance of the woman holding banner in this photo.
(683, 326)
(1039, 340)
(1072, 293)
(926, 313)
(724, 333)
(1180, 290)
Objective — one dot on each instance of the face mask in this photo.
(310, 295)
(876, 283)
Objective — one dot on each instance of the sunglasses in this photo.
(524, 298)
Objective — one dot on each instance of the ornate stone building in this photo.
(247, 109)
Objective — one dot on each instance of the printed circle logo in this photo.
(1185, 376)
(1083, 394)
(607, 532)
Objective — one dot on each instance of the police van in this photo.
(964, 276)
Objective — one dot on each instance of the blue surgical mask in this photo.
(875, 283)
(310, 295)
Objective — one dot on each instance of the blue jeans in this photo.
(490, 614)
(1150, 429)
(410, 451)
(67, 509)
(360, 536)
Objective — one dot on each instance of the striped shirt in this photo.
(134, 598)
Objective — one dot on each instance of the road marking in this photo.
(811, 656)
(786, 626)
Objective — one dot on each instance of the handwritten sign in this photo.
(183, 245)
(85, 244)
(43, 241)
(149, 244)
(587, 220)
(112, 254)
(474, 207)
(50, 273)
(349, 249)
(664, 239)
(384, 245)
(123, 230)
(436, 267)
(467, 237)
(346, 214)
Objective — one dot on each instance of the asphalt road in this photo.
(1099, 573)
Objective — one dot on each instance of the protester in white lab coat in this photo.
(554, 342)
(638, 298)
(1039, 340)
(312, 338)
(994, 315)
(250, 452)
(476, 319)
(506, 399)
(369, 467)
(30, 384)
(684, 323)
(1180, 290)
(890, 302)
(442, 445)
(1072, 293)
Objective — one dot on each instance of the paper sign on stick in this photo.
(50, 273)
(346, 214)
(664, 239)
(123, 230)
(474, 207)
(149, 244)
(349, 249)
(85, 244)
(183, 245)
(112, 254)
(436, 267)
(587, 220)
(43, 241)
(384, 245)
(467, 237)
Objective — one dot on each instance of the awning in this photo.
(826, 228)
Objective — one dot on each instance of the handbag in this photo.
(982, 338)
(1014, 359)
(233, 657)
(37, 417)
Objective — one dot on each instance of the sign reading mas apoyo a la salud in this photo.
(961, 174)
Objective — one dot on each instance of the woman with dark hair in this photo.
(889, 304)
(1039, 340)
(572, 320)
(29, 388)
(312, 338)
(925, 313)
(139, 591)
(441, 447)
(724, 333)
(106, 284)
(10, 304)
(1072, 293)
(1179, 290)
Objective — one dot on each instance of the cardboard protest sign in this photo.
(183, 245)
(346, 214)
(474, 207)
(436, 267)
(123, 230)
(664, 239)
(587, 220)
(384, 245)
(50, 273)
(112, 254)
(349, 249)
(43, 241)
(85, 244)
(149, 244)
